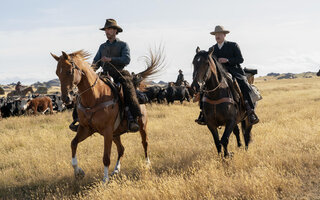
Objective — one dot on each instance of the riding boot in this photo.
(133, 125)
(201, 119)
(73, 125)
(253, 118)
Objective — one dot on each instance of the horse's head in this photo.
(69, 75)
(201, 66)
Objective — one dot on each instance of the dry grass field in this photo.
(283, 160)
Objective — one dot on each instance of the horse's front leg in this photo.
(120, 149)
(108, 137)
(236, 132)
(215, 135)
(246, 130)
(226, 134)
(82, 134)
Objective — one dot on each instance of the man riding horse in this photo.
(18, 87)
(229, 55)
(113, 56)
(180, 78)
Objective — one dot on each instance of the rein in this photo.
(214, 89)
(74, 66)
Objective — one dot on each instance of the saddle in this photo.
(235, 88)
(236, 93)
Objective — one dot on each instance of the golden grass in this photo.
(283, 161)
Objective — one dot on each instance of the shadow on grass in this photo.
(59, 188)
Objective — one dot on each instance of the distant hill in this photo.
(48, 84)
(279, 76)
(162, 83)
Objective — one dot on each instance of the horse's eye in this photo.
(69, 72)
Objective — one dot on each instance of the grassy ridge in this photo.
(283, 160)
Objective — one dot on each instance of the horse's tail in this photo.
(155, 62)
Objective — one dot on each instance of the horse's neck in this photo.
(87, 87)
(212, 83)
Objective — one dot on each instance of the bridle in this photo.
(80, 73)
(207, 76)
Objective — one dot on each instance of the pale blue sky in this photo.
(274, 36)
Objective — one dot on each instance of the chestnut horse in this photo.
(40, 104)
(99, 106)
(219, 105)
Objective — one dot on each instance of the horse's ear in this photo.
(198, 49)
(211, 49)
(55, 57)
(65, 55)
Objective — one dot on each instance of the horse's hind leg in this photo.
(144, 138)
(108, 137)
(225, 137)
(82, 134)
(215, 135)
(120, 149)
(236, 132)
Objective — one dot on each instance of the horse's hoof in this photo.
(115, 172)
(106, 180)
(229, 155)
(79, 173)
(148, 162)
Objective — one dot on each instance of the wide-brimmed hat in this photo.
(111, 23)
(180, 70)
(219, 29)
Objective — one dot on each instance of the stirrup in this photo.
(133, 126)
(201, 120)
(73, 126)
(253, 118)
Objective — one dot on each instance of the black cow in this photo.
(13, 108)
(57, 102)
(2, 102)
(179, 93)
(153, 93)
(162, 95)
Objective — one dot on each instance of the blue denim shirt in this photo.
(118, 51)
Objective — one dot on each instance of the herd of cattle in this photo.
(168, 94)
(16, 106)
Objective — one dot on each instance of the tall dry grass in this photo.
(283, 161)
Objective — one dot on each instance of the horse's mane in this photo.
(81, 53)
(221, 70)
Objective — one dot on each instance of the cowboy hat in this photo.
(111, 23)
(180, 70)
(219, 29)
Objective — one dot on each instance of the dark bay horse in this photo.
(220, 107)
(99, 107)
